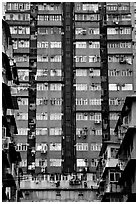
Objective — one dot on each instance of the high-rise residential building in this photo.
(103, 65)
(10, 157)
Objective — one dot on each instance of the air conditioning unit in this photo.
(97, 121)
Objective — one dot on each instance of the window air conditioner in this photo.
(97, 121)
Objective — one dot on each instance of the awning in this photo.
(9, 181)
(6, 96)
(11, 121)
(5, 160)
(6, 66)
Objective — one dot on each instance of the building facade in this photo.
(10, 157)
(126, 132)
(39, 32)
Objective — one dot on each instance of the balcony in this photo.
(49, 23)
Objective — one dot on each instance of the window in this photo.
(127, 87)
(81, 163)
(42, 87)
(56, 58)
(55, 44)
(94, 162)
(55, 87)
(95, 147)
(81, 87)
(98, 132)
(94, 45)
(56, 101)
(114, 72)
(41, 147)
(23, 75)
(81, 72)
(113, 31)
(114, 116)
(114, 152)
(41, 101)
(22, 131)
(49, 17)
(23, 44)
(42, 31)
(82, 146)
(81, 131)
(95, 87)
(112, 131)
(41, 162)
(90, 7)
(41, 116)
(23, 163)
(21, 59)
(42, 44)
(127, 72)
(13, 29)
(55, 162)
(21, 147)
(22, 116)
(114, 87)
(22, 101)
(15, 44)
(115, 101)
(119, 45)
(55, 72)
(55, 131)
(42, 58)
(41, 131)
(125, 30)
(42, 72)
(94, 72)
(95, 102)
(55, 147)
(81, 101)
(55, 116)
(87, 17)
(80, 31)
(81, 116)
(114, 176)
(96, 116)
(80, 59)
(22, 88)
(81, 45)
(93, 31)
(94, 58)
